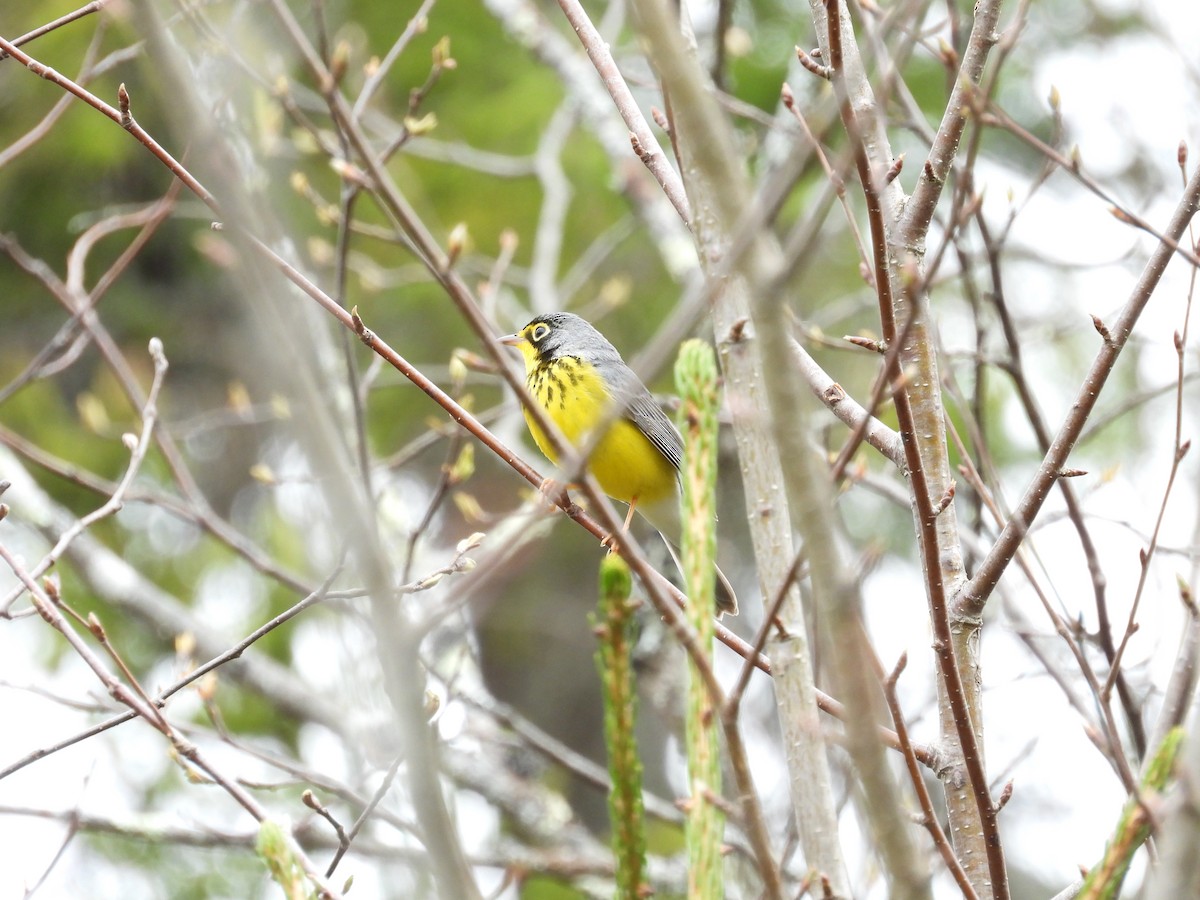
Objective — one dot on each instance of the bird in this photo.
(578, 378)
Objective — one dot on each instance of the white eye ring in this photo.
(540, 330)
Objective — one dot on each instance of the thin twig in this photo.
(639, 130)
(49, 611)
(86, 10)
(929, 816)
(974, 594)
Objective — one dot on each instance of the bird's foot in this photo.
(610, 541)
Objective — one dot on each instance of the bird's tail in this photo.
(726, 599)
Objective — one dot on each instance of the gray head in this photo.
(560, 334)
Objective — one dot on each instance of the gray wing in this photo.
(646, 414)
(641, 409)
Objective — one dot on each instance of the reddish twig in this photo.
(948, 667)
(974, 595)
(918, 212)
(641, 136)
(85, 10)
(929, 816)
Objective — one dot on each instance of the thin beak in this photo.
(513, 340)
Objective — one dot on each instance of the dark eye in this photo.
(540, 330)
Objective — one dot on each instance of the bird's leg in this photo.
(629, 515)
(610, 540)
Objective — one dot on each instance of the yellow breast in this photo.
(625, 463)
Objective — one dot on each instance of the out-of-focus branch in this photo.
(139, 445)
(1178, 871)
(48, 604)
(528, 25)
(118, 583)
(1133, 829)
(719, 194)
(87, 71)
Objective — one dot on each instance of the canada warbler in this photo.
(579, 379)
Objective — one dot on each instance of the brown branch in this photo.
(929, 816)
(1025, 394)
(974, 594)
(85, 10)
(648, 150)
(918, 212)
